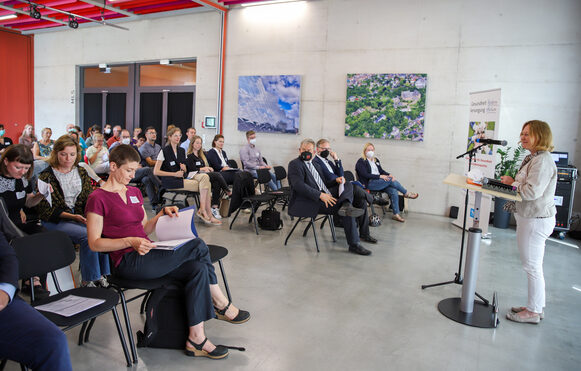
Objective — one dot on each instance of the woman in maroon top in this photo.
(117, 224)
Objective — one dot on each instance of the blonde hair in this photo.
(201, 151)
(363, 155)
(60, 144)
(172, 130)
(541, 133)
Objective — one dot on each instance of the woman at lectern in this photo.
(535, 214)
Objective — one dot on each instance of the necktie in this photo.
(317, 177)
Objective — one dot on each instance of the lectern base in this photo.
(482, 316)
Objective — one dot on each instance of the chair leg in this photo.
(312, 223)
(121, 336)
(128, 324)
(332, 225)
(88, 330)
(292, 230)
(236, 215)
(3, 363)
(82, 333)
(23, 367)
(326, 218)
(225, 280)
(307, 229)
(254, 219)
(144, 302)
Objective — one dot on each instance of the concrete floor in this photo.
(339, 311)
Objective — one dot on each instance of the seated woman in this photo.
(27, 138)
(98, 155)
(171, 168)
(374, 178)
(5, 142)
(16, 168)
(218, 159)
(41, 151)
(197, 161)
(117, 224)
(70, 188)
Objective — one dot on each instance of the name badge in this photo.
(198, 163)
(134, 199)
(172, 163)
(257, 154)
(20, 195)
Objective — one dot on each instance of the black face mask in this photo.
(324, 154)
(306, 156)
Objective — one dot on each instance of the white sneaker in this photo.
(216, 213)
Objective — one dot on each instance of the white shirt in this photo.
(374, 169)
(219, 152)
(327, 164)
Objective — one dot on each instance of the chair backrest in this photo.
(264, 159)
(349, 175)
(10, 229)
(263, 176)
(232, 163)
(41, 253)
(279, 172)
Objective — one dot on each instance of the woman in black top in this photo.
(218, 159)
(197, 161)
(5, 142)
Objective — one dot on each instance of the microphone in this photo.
(492, 141)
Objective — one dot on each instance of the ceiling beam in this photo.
(109, 7)
(16, 10)
(211, 4)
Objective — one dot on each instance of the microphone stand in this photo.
(458, 275)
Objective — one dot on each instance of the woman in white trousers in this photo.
(535, 214)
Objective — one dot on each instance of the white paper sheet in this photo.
(44, 189)
(171, 244)
(176, 228)
(70, 305)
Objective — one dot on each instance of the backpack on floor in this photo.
(270, 219)
(166, 324)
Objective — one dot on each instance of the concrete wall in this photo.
(529, 49)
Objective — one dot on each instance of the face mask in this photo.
(324, 154)
(126, 140)
(107, 131)
(369, 154)
(2, 132)
(306, 156)
(253, 141)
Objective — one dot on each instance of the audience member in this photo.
(4, 140)
(252, 159)
(150, 149)
(98, 155)
(333, 171)
(218, 159)
(43, 147)
(71, 187)
(121, 229)
(107, 132)
(26, 336)
(72, 128)
(115, 137)
(89, 138)
(140, 140)
(310, 195)
(171, 168)
(196, 161)
(136, 132)
(124, 138)
(372, 176)
(190, 133)
(27, 138)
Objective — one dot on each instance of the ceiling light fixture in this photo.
(7, 17)
(267, 2)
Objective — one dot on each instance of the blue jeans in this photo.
(272, 184)
(389, 187)
(93, 264)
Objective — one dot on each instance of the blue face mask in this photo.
(2, 133)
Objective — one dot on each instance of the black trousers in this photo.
(190, 265)
(229, 176)
(218, 184)
(360, 202)
(349, 223)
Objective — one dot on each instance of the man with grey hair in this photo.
(312, 195)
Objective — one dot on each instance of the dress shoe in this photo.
(358, 249)
(197, 351)
(349, 210)
(516, 318)
(368, 239)
(242, 316)
(520, 309)
(398, 218)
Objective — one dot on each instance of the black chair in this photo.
(378, 198)
(10, 229)
(217, 253)
(41, 253)
(255, 201)
(280, 174)
(179, 198)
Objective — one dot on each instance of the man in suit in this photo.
(333, 170)
(311, 195)
(26, 336)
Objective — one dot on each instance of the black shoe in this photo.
(197, 351)
(39, 292)
(368, 239)
(242, 316)
(358, 249)
(349, 210)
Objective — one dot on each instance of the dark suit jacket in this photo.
(363, 170)
(214, 159)
(8, 263)
(304, 199)
(337, 166)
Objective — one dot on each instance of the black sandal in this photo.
(242, 316)
(218, 353)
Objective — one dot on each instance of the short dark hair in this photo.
(150, 128)
(141, 136)
(20, 153)
(249, 133)
(216, 137)
(124, 153)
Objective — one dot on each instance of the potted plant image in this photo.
(508, 165)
